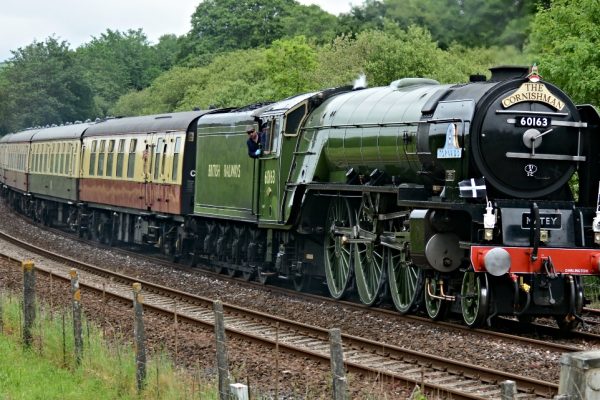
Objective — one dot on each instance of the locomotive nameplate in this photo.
(537, 92)
(547, 221)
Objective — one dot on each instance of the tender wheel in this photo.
(338, 252)
(247, 275)
(301, 282)
(436, 308)
(218, 268)
(474, 296)
(405, 280)
(368, 264)
(264, 276)
(231, 272)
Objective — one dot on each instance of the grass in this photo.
(47, 370)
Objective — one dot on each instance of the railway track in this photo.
(456, 379)
(518, 334)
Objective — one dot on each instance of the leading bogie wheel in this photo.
(338, 251)
(474, 295)
(574, 291)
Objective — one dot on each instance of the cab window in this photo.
(293, 120)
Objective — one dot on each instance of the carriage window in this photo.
(62, 158)
(176, 152)
(109, 157)
(45, 160)
(131, 158)
(68, 166)
(164, 159)
(55, 153)
(100, 170)
(93, 158)
(120, 156)
(52, 149)
(158, 151)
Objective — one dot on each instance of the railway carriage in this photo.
(14, 166)
(54, 172)
(137, 178)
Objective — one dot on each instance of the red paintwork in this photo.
(565, 261)
(142, 196)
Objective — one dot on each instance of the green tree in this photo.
(165, 94)
(474, 23)
(44, 83)
(382, 56)
(225, 25)
(564, 41)
(219, 26)
(166, 51)
(117, 62)
(233, 79)
(311, 22)
(290, 64)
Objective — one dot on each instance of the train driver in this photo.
(253, 143)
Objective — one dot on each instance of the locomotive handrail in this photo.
(558, 123)
(556, 157)
(525, 112)
(388, 124)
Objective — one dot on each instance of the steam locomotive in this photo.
(477, 198)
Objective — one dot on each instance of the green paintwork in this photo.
(62, 187)
(225, 175)
(364, 130)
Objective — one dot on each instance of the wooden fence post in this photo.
(222, 360)
(28, 300)
(340, 384)
(140, 336)
(76, 303)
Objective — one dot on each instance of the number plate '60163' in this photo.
(533, 122)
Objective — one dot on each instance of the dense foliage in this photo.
(243, 51)
(565, 41)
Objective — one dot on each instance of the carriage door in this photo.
(148, 154)
(269, 187)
